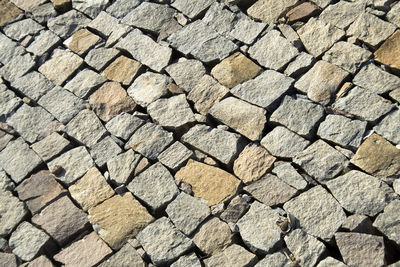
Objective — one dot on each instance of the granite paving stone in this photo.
(120, 8)
(90, 8)
(124, 125)
(389, 128)
(104, 150)
(82, 41)
(175, 156)
(236, 208)
(274, 259)
(43, 12)
(388, 221)
(126, 256)
(66, 24)
(393, 16)
(121, 167)
(51, 146)
(329, 261)
(22, 28)
(9, 12)
(84, 83)
(104, 24)
(299, 65)
(12, 211)
(186, 73)
(43, 43)
(269, 11)
(5, 182)
(122, 69)
(17, 67)
(343, 13)
(388, 52)
(41, 261)
(221, 20)
(98, 58)
(246, 30)
(187, 260)
(9, 102)
(287, 173)
(192, 9)
(33, 85)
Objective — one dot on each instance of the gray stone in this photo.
(122, 166)
(124, 125)
(8, 49)
(30, 122)
(74, 164)
(388, 222)
(62, 104)
(234, 256)
(221, 144)
(68, 23)
(343, 13)
(186, 73)
(235, 210)
(265, 90)
(243, 117)
(18, 160)
(246, 30)
(331, 262)
(361, 249)
(275, 259)
(5, 182)
(8, 102)
(8, 259)
(395, 95)
(41, 261)
(149, 16)
(258, 222)
(90, 8)
(298, 115)
(84, 83)
(104, 24)
(376, 79)
(142, 48)
(50, 146)
(269, 11)
(221, 20)
(287, 173)
(273, 51)
(347, 56)
(155, 187)
(17, 67)
(202, 42)
(98, 58)
(18, 30)
(104, 151)
(192, 9)
(175, 156)
(316, 212)
(187, 260)
(299, 65)
(396, 186)
(44, 12)
(393, 15)
(174, 242)
(27, 241)
(389, 127)
(364, 104)
(318, 36)
(33, 85)
(120, 8)
(86, 127)
(148, 87)
(358, 223)
(43, 43)
(5, 138)
(126, 256)
(12, 211)
(342, 131)
(370, 29)
(150, 140)
(305, 248)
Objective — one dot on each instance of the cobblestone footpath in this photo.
(199, 133)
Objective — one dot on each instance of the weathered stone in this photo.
(27, 6)
(33, 84)
(302, 12)
(68, 23)
(83, 84)
(202, 42)
(270, 11)
(150, 140)
(208, 182)
(17, 67)
(148, 87)
(104, 151)
(220, 19)
(122, 70)
(395, 95)
(258, 222)
(155, 187)
(43, 43)
(50, 146)
(305, 248)
(5, 183)
(30, 122)
(235, 210)
(358, 223)
(120, 8)
(192, 9)
(9, 49)
(81, 41)
(8, 12)
(377, 80)
(126, 256)
(331, 262)
(287, 173)
(234, 256)
(246, 30)
(174, 242)
(12, 211)
(389, 127)
(273, 51)
(392, 15)
(18, 30)
(100, 57)
(388, 222)
(86, 128)
(27, 241)
(87, 251)
(342, 131)
(317, 212)
(318, 36)
(18, 160)
(187, 260)
(175, 156)
(186, 73)
(122, 167)
(41, 261)
(73, 163)
(342, 14)
(105, 24)
(124, 125)
(370, 29)
(90, 8)
(379, 158)
(361, 249)
(299, 65)
(388, 52)
(61, 220)
(274, 259)
(206, 93)
(363, 103)
(61, 5)
(43, 13)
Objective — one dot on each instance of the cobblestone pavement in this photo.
(199, 133)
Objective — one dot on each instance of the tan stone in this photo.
(82, 40)
(87, 251)
(62, 5)
(28, 5)
(110, 100)
(122, 70)
(118, 219)
(378, 157)
(301, 12)
(269, 11)
(208, 182)
(253, 163)
(91, 189)
(389, 52)
(235, 70)
(8, 12)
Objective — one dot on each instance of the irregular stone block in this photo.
(388, 52)
(122, 166)
(120, 8)
(186, 73)
(192, 9)
(302, 12)
(43, 43)
(83, 84)
(68, 23)
(287, 173)
(235, 210)
(18, 30)
(122, 70)
(11, 213)
(269, 11)
(342, 14)
(50, 146)
(274, 259)
(33, 85)
(388, 221)
(389, 127)
(8, 102)
(82, 41)
(124, 125)
(90, 8)
(175, 156)
(299, 65)
(187, 260)
(8, 12)
(100, 57)
(126, 256)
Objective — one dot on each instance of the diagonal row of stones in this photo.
(199, 133)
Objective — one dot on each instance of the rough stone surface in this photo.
(20, 29)
(12, 211)
(91, 8)
(302, 12)
(33, 84)
(192, 9)
(126, 256)
(124, 125)
(343, 13)
(148, 87)
(316, 212)
(121, 8)
(81, 41)
(186, 73)
(388, 221)
(100, 57)
(175, 243)
(275, 259)
(389, 128)
(269, 11)
(41, 261)
(122, 70)
(331, 262)
(299, 65)
(246, 30)
(392, 15)
(122, 166)
(388, 52)
(208, 182)
(68, 23)
(235, 210)
(5, 182)
(44, 12)
(84, 83)
(104, 151)
(50, 146)
(175, 156)
(118, 219)
(287, 173)
(234, 256)
(187, 260)
(9, 102)
(8, 12)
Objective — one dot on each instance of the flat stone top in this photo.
(199, 132)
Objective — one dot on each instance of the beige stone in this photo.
(28, 5)
(269, 11)
(87, 251)
(118, 219)
(110, 100)
(389, 52)
(91, 189)
(122, 70)
(8, 12)
(301, 12)
(235, 70)
(82, 40)
(208, 182)
(61, 5)
(253, 162)
(378, 157)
